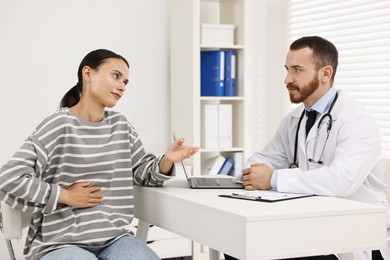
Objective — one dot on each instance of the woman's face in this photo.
(107, 84)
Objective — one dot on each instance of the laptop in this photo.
(210, 182)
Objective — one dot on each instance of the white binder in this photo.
(225, 126)
(210, 126)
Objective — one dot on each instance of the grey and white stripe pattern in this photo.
(64, 150)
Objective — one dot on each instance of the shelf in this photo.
(230, 47)
(221, 98)
(222, 150)
(187, 105)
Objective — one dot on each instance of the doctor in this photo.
(340, 155)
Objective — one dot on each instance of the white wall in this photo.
(276, 49)
(42, 43)
(269, 48)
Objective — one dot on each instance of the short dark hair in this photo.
(324, 52)
(93, 59)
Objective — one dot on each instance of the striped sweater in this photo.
(64, 150)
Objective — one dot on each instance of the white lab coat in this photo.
(352, 166)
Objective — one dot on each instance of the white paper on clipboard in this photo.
(265, 195)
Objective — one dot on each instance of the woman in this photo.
(76, 171)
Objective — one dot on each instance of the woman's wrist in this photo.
(63, 199)
(165, 165)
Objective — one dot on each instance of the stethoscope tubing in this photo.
(295, 164)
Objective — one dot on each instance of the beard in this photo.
(304, 91)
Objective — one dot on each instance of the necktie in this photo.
(311, 118)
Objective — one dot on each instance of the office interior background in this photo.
(42, 43)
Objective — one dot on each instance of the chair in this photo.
(12, 223)
(386, 180)
(386, 176)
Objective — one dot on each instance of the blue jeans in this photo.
(125, 248)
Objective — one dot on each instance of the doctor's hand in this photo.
(257, 177)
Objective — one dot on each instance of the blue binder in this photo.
(230, 73)
(227, 167)
(212, 73)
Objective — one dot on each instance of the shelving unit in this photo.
(186, 17)
(186, 102)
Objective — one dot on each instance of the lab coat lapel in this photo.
(302, 145)
(322, 131)
(309, 142)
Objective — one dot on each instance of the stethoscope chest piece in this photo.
(293, 165)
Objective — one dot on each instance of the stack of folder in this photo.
(217, 126)
(218, 70)
(221, 165)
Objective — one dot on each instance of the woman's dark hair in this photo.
(323, 51)
(93, 60)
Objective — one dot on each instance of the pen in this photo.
(241, 196)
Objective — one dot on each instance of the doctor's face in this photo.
(302, 76)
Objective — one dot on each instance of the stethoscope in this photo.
(295, 164)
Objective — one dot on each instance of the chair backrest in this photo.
(14, 221)
(386, 169)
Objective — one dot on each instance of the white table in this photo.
(260, 230)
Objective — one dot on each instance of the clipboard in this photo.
(265, 195)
